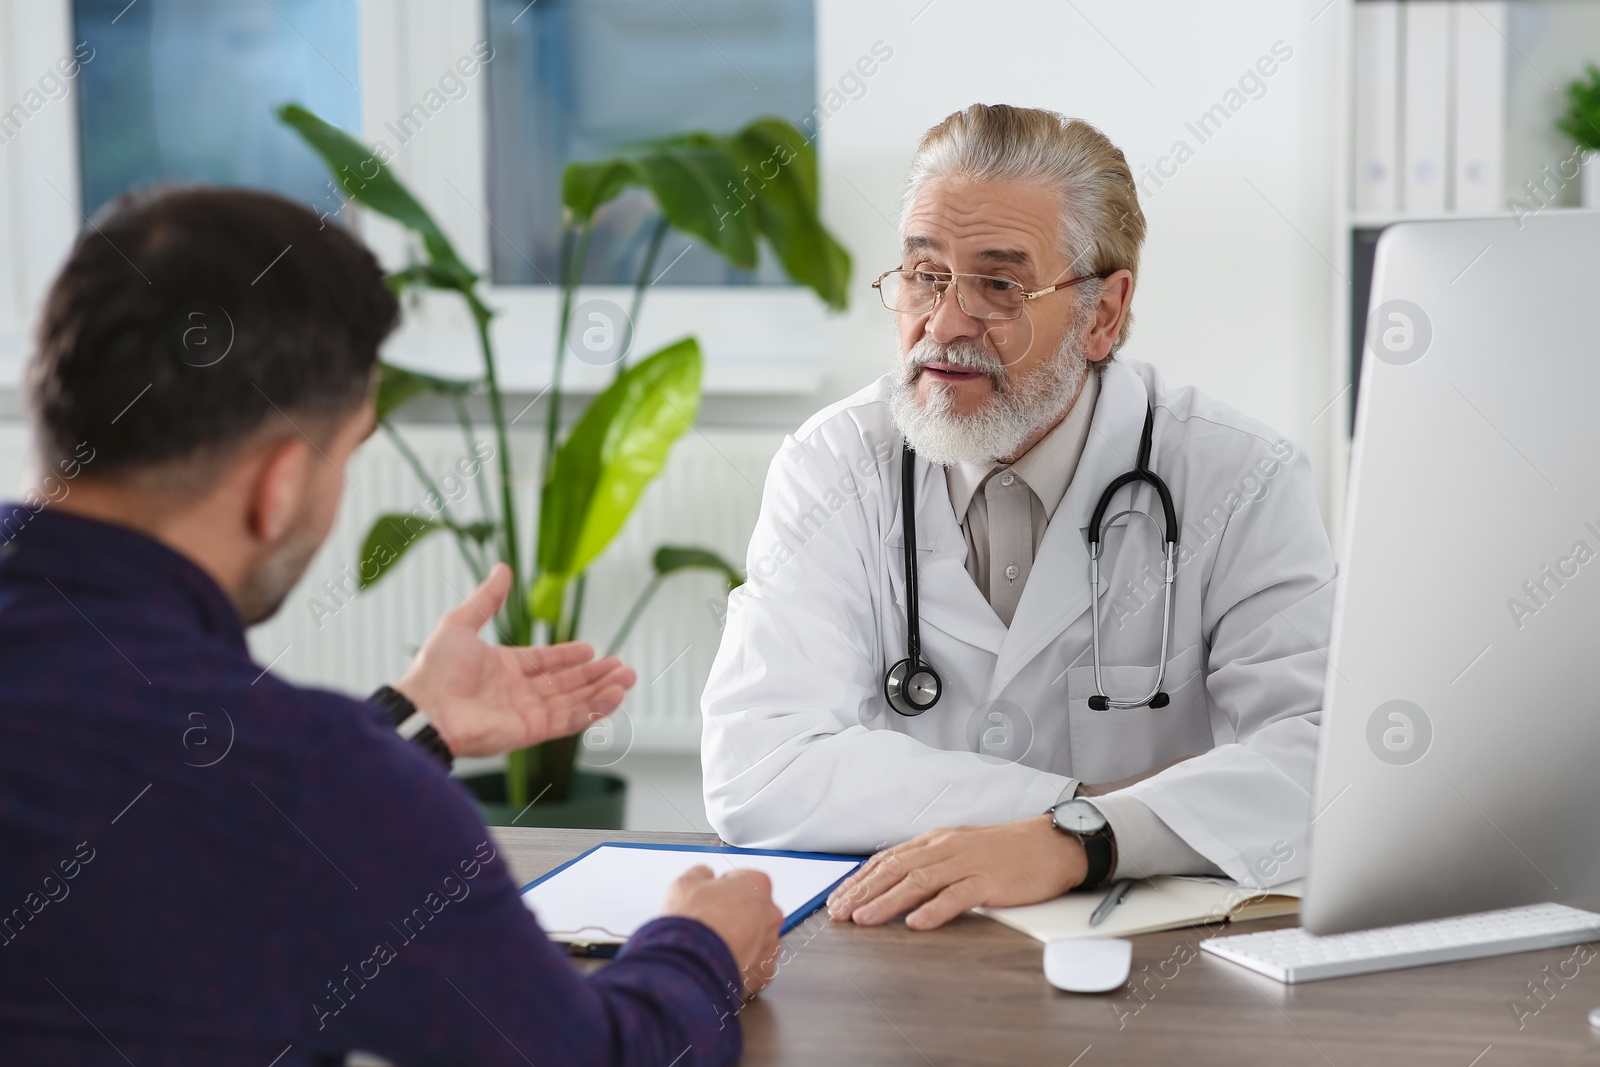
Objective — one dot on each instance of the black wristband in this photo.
(396, 703)
(400, 708)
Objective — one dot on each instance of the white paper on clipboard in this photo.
(606, 894)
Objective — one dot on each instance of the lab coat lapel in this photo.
(1057, 592)
(948, 597)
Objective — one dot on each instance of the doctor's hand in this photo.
(739, 908)
(486, 699)
(944, 872)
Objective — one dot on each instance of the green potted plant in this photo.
(732, 192)
(1581, 122)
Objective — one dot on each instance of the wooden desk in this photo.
(974, 993)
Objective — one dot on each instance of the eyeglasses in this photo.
(981, 296)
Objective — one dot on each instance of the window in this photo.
(580, 79)
(184, 90)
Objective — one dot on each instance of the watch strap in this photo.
(1098, 850)
(1099, 847)
(412, 724)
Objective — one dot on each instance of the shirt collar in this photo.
(119, 559)
(1047, 467)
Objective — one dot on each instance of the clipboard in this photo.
(594, 902)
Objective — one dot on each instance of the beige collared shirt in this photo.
(1004, 510)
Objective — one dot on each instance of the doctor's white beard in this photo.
(1015, 411)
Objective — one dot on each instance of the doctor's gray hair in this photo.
(1102, 227)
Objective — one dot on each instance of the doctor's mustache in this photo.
(964, 354)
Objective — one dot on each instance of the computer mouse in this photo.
(1088, 964)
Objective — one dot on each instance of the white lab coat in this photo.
(801, 749)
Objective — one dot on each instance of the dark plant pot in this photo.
(596, 802)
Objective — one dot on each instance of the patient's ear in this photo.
(279, 484)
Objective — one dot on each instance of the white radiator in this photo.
(708, 495)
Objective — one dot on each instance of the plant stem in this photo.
(444, 506)
(652, 252)
(467, 430)
(633, 614)
(574, 250)
(577, 606)
(640, 284)
(576, 245)
(517, 778)
(517, 630)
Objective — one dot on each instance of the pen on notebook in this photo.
(1119, 890)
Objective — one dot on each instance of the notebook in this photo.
(595, 902)
(1153, 904)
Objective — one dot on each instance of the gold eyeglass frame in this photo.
(948, 279)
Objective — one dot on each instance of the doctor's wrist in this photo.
(1065, 852)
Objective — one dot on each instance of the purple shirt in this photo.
(202, 863)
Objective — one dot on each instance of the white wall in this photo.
(1236, 294)
(1235, 291)
(38, 171)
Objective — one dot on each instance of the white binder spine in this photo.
(1425, 92)
(1376, 107)
(1480, 102)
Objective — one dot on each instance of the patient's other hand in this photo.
(738, 907)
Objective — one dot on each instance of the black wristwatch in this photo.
(412, 724)
(1084, 821)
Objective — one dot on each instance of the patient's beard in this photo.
(1013, 413)
(266, 588)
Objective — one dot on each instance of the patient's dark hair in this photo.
(188, 319)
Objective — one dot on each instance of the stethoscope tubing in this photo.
(895, 680)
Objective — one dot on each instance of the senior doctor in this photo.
(1021, 234)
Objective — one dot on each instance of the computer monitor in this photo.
(1459, 768)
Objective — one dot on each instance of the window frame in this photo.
(756, 340)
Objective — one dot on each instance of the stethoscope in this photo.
(912, 686)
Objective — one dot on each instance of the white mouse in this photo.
(1088, 964)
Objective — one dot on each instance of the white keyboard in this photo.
(1293, 955)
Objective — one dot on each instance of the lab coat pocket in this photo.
(1110, 745)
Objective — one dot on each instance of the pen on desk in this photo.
(1119, 890)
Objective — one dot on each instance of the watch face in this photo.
(1079, 817)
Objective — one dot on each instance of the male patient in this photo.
(202, 863)
(1020, 240)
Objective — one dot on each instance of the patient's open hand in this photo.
(944, 872)
(486, 699)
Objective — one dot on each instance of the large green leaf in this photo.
(398, 386)
(798, 158)
(391, 536)
(784, 168)
(730, 192)
(669, 559)
(617, 447)
(696, 185)
(586, 187)
(367, 180)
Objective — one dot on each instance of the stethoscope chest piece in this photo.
(912, 688)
